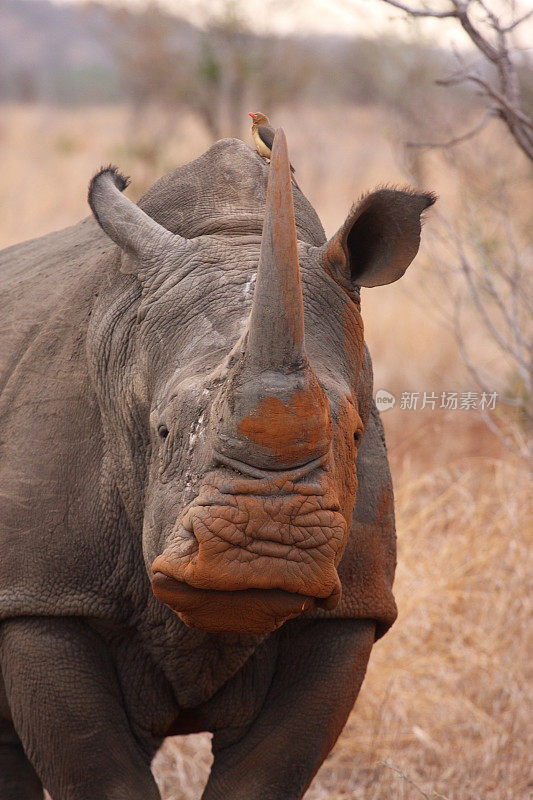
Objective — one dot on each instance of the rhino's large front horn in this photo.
(273, 414)
(276, 330)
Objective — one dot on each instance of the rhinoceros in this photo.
(197, 528)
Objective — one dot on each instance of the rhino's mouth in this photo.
(248, 554)
(255, 611)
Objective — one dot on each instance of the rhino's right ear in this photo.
(138, 235)
(380, 237)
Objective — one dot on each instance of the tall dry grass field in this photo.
(444, 711)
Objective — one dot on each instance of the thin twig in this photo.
(420, 12)
(506, 90)
(411, 782)
(457, 139)
(517, 22)
(490, 90)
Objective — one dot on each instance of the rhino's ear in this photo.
(380, 237)
(144, 240)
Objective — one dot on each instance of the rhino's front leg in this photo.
(319, 672)
(66, 706)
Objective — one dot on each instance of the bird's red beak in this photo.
(250, 115)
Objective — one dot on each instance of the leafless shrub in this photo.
(492, 36)
(496, 286)
(486, 297)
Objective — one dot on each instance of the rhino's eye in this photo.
(162, 431)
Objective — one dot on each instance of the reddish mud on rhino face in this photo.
(252, 481)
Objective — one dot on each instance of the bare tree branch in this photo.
(422, 12)
(505, 94)
(517, 22)
(473, 369)
(491, 91)
(497, 297)
(490, 273)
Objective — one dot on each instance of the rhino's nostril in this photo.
(329, 603)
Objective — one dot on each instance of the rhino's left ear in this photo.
(380, 237)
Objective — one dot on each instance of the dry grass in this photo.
(49, 155)
(444, 709)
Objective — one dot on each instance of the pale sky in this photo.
(363, 17)
(359, 17)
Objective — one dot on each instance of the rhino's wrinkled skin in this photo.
(197, 524)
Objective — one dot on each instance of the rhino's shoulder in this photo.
(45, 282)
(42, 264)
(222, 191)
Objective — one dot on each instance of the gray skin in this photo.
(113, 334)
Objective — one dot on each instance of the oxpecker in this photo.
(263, 136)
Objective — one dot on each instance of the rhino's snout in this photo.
(264, 557)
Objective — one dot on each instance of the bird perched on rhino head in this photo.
(263, 136)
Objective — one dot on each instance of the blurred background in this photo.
(368, 94)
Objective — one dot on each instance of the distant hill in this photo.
(54, 52)
(66, 54)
